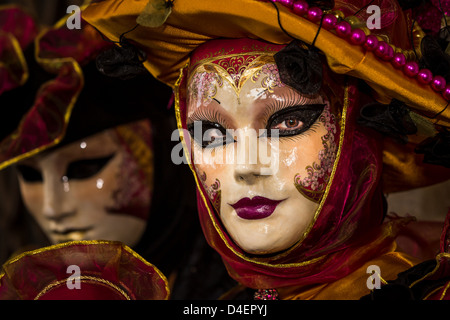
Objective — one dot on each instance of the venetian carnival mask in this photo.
(95, 188)
(263, 151)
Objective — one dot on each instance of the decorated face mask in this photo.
(284, 189)
(263, 151)
(95, 188)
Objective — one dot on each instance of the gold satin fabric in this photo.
(403, 169)
(354, 286)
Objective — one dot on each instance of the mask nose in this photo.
(256, 157)
(247, 174)
(56, 204)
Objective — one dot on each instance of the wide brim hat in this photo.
(64, 97)
(169, 31)
(82, 270)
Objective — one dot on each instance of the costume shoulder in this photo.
(428, 280)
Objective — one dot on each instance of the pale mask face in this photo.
(263, 211)
(84, 191)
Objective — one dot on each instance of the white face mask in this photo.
(263, 211)
(80, 191)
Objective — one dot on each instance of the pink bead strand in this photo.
(438, 83)
(343, 29)
(381, 49)
(411, 69)
(424, 76)
(399, 60)
(300, 7)
(446, 93)
(329, 21)
(314, 14)
(357, 37)
(286, 3)
(371, 43)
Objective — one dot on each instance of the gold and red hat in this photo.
(82, 270)
(347, 50)
(386, 59)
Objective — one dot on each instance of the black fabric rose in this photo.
(434, 57)
(436, 150)
(124, 62)
(300, 67)
(391, 120)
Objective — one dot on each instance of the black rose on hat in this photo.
(436, 150)
(300, 67)
(391, 120)
(124, 62)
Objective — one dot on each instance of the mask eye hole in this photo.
(294, 120)
(289, 124)
(211, 135)
(86, 168)
(29, 174)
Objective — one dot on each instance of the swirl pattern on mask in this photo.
(313, 184)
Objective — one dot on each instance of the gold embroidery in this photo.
(312, 195)
(235, 69)
(88, 279)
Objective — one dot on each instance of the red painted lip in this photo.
(255, 208)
